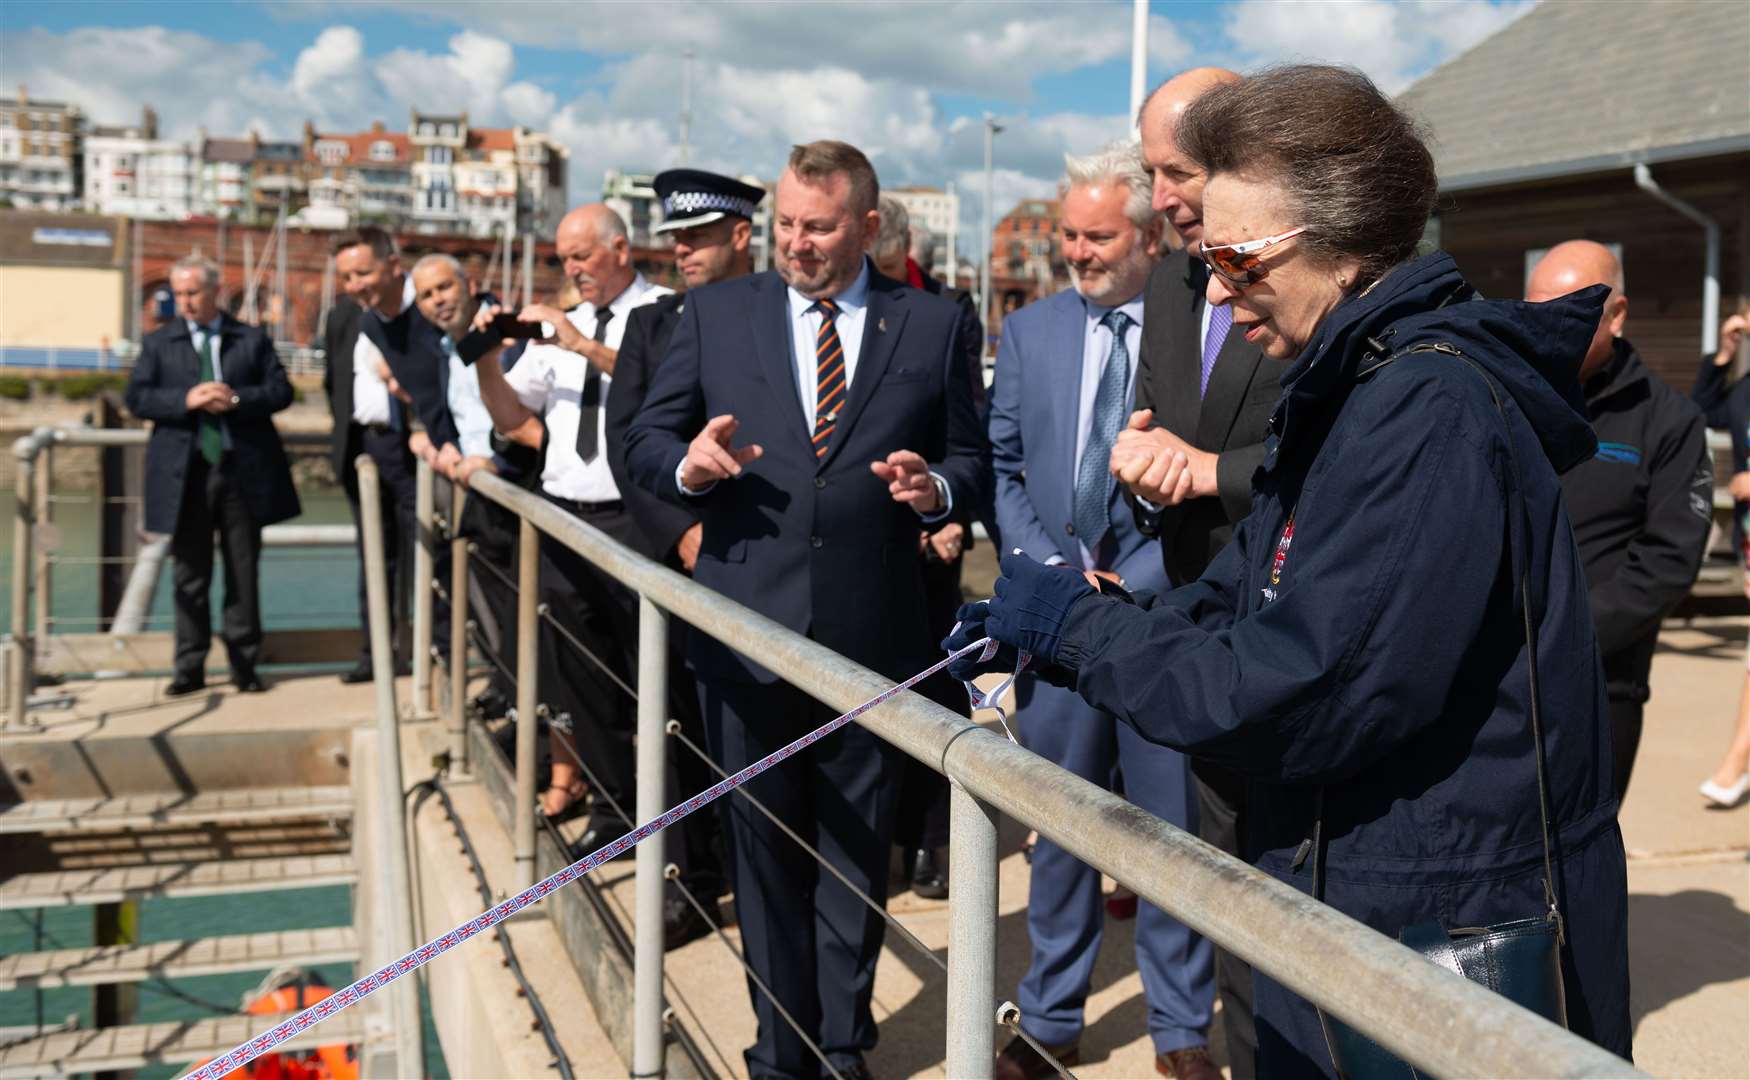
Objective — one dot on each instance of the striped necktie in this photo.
(829, 376)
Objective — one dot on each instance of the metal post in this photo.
(528, 631)
(458, 712)
(972, 936)
(1138, 56)
(45, 516)
(397, 886)
(18, 662)
(424, 535)
(647, 955)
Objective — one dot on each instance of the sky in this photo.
(908, 82)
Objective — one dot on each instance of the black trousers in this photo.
(602, 616)
(1221, 817)
(804, 933)
(920, 817)
(1625, 740)
(212, 501)
(492, 530)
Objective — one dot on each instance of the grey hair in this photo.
(1115, 163)
(441, 258)
(923, 246)
(208, 268)
(895, 233)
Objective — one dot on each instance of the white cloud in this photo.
(1392, 42)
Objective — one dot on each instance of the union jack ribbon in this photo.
(251, 1049)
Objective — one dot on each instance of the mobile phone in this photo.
(477, 343)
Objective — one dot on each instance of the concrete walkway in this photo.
(1689, 910)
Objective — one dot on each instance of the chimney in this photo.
(376, 127)
(149, 122)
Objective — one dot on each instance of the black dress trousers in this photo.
(212, 501)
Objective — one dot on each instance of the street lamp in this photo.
(991, 127)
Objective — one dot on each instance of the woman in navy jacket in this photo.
(1360, 637)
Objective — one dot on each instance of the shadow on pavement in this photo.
(1679, 944)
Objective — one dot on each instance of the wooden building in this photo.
(1538, 131)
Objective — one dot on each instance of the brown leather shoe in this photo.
(1187, 1063)
(1019, 1061)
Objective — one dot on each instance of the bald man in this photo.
(1200, 390)
(553, 400)
(1642, 507)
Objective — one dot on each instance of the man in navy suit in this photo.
(210, 385)
(1065, 378)
(816, 417)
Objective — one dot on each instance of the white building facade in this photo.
(40, 161)
(131, 172)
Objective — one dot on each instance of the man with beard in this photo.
(553, 399)
(1056, 499)
(816, 417)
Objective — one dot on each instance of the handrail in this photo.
(1429, 1017)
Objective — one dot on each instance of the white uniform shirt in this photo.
(473, 422)
(370, 394)
(548, 380)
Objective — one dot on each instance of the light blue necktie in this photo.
(1093, 476)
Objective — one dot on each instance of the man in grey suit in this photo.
(1064, 378)
(1203, 399)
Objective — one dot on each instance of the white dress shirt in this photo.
(198, 334)
(548, 380)
(473, 422)
(370, 394)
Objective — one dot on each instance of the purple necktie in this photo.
(1221, 320)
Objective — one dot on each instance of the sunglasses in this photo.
(1243, 263)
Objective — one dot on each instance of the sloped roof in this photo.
(358, 146)
(487, 140)
(238, 150)
(1574, 87)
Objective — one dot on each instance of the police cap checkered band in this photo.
(691, 202)
(696, 197)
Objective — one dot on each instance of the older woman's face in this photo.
(1281, 313)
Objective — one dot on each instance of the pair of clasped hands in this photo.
(712, 456)
(210, 397)
(1033, 601)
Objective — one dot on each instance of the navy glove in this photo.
(971, 619)
(1031, 603)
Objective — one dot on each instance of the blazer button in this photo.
(815, 542)
(820, 481)
(1069, 527)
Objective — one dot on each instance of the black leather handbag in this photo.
(1520, 960)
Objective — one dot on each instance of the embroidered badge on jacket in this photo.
(1276, 561)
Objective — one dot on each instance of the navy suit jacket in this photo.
(817, 545)
(157, 390)
(1033, 420)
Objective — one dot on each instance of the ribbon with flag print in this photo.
(251, 1049)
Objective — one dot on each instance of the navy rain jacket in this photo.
(1377, 651)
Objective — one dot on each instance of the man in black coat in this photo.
(211, 385)
(709, 217)
(856, 429)
(1643, 507)
(1204, 391)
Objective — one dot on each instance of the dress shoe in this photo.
(1187, 1063)
(489, 704)
(927, 879)
(248, 682)
(854, 1070)
(186, 684)
(1019, 1061)
(361, 673)
(1725, 797)
(681, 923)
(602, 831)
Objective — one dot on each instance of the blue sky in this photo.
(906, 81)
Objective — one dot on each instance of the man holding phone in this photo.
(554, 399)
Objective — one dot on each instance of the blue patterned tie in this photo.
(1221, 320)
(1094, 477)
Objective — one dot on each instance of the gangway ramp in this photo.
(135, 1046)
(105, 964)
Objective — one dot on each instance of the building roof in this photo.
(238, 150)
(1572, 88)
(486, 140)
(358, 146)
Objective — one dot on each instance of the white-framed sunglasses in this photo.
(1243, 263)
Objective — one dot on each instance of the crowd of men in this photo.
(816, 442)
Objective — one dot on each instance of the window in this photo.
(437, 155)
(331, 152)
(382, 150)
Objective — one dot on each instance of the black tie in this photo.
(590, 408)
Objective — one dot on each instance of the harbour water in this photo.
(309, 587)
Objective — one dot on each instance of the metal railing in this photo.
(32, 619)
(1431, 1018)
(298, 359)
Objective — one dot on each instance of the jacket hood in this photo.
(1532, 350)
